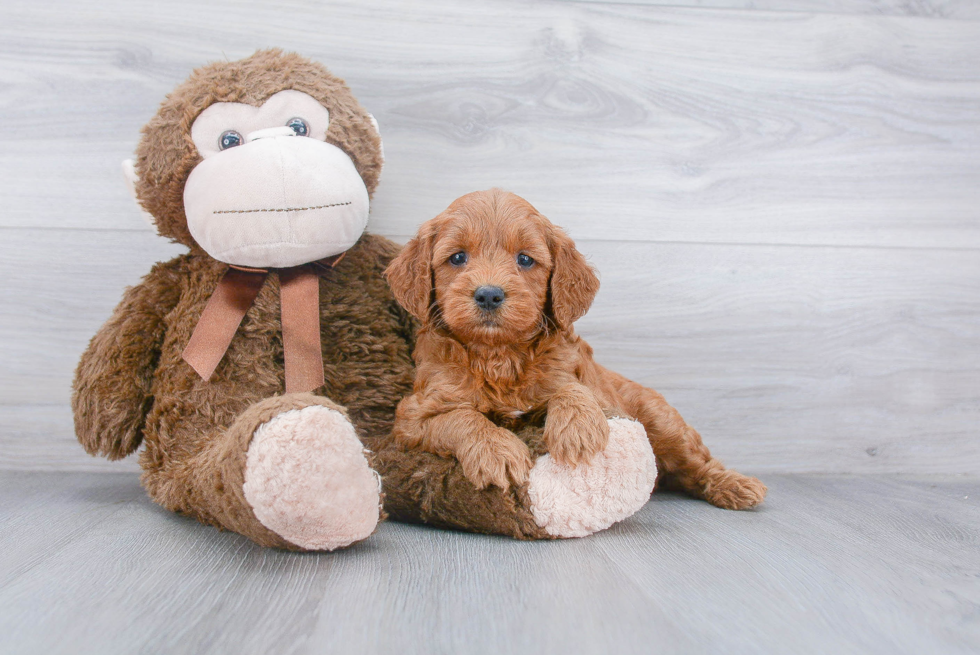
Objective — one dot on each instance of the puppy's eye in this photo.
(458, 259)
(524, 261)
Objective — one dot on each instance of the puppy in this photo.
(497, 287)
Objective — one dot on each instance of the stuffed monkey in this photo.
(260, 371)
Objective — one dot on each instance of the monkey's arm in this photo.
(111, 391)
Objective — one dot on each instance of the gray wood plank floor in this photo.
(831, 564)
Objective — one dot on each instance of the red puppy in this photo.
(497, 288)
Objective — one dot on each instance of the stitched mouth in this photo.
(283, 209)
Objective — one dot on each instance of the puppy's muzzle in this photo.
(489, 298)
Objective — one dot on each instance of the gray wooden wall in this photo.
(782, 196)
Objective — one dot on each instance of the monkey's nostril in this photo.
(489, 298)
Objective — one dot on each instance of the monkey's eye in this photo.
(299, 126)
(229, 139)
(524, 261)
(458, 259)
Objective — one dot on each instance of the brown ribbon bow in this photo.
(299, 295)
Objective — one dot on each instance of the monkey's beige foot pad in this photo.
(308, 481)
(576, 502)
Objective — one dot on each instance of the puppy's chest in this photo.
(515, 408)
(512, 385)
(508, 405)
(510, 396)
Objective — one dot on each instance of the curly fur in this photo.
(166, 153)
(132, 387)
(140, 389)
(476, 366)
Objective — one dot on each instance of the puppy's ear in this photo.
(574, 282)
(410, 274)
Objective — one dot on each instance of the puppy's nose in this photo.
(489, 298)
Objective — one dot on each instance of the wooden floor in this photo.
(830, 564)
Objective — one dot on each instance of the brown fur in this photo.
(166, 154)
(475, 368)
(132, 386)
(421, 487)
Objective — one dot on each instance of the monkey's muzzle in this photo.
(276, 201)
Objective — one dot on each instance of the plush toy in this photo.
(260, 371)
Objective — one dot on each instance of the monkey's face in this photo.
(270, 191)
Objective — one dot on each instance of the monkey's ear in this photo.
(410, 275)
(381, 143)
(129, 174)
(574, 282)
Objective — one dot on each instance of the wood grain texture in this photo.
(785, 358)
(952, 9)
(635, 122)
(782, 199)
(783, 202)
(829, 564)
(42, 438)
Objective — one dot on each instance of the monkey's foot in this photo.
(575, 502)
(307, 479)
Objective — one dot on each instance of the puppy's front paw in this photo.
(575, 433)
(731, 490)
(496, 457)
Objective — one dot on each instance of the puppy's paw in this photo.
(496, 457)
(574, 433)
(731, 490)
